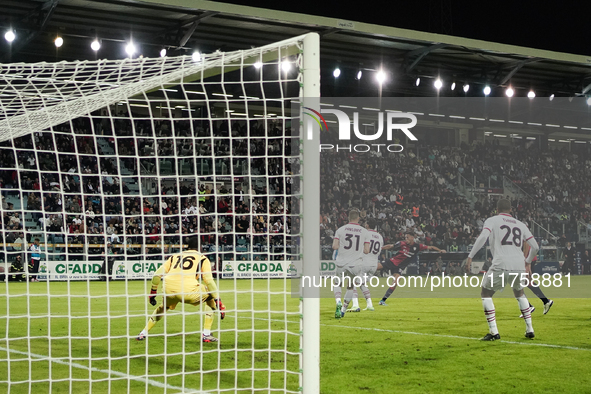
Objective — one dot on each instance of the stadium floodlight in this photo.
(531, 94)
(285, 66)
(130, 49)
(438, 83)
(258, 65)
(381, 76)
(486, 90)
(359, 74)
(163, 52)
(509, 92)
(337, 72)
(551, 97)
(589, 100)
(95, 45)
(196, 56)
(58, 42)
(453, 86)
(466, 88)
(10, 35)
(418, 82)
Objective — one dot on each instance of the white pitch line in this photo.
(105, 371)
(459, 337)
(175, 312)
(429, 334)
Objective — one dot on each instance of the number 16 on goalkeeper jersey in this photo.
(187, 278)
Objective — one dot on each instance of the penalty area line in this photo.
(427, 334)
(458, 337)
(105, 371)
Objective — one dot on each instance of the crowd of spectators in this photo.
(555, 182)
(125, 185)
(74, 190)
(417, 191)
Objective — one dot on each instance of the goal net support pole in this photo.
(311, 210)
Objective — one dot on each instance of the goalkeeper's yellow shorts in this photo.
(193, 296)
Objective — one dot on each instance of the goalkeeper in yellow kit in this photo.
(188, 279)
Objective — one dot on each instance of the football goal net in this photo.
(106, 168)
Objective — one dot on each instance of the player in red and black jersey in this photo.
(408, 251)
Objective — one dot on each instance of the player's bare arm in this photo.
(528, 269)
(366, 248)
(532, 250)
(335, 244)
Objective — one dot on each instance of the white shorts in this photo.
(368, 269)
(496, 279)
(361, 271)
(349, 269)
(357, 270)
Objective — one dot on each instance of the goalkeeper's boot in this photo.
(491, 337)
(209, 338)
(529, 335)
(354, 310)
(382, 303)
(141, 336)
(337, 312)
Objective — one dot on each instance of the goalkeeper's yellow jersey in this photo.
(184, 272)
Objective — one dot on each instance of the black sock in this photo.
(388, 293)
(539, 293)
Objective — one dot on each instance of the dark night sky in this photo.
(563, 28)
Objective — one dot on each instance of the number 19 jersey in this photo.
(506, 239)
(376, 241)
(352, 238)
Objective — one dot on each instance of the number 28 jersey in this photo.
(352, 238)
(506, 239)
(184, 271)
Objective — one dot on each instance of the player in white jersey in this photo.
(351, 241)
(506, 236)
(370, 264)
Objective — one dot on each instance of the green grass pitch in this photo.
(412, 345)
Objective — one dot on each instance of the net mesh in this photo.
(105, 165)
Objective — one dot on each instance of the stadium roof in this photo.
(183, 26)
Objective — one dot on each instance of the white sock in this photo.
(355, 299)
(526, 312)
(348, 296)
(206, 332)
(337, 293)
(367, 295)
(489, 312)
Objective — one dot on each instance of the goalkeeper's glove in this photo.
(220, 307)
(153, 297)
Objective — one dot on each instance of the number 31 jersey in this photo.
(506, 239)
(184, 271)
(352, 238)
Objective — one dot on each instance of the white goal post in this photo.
(106, 168)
